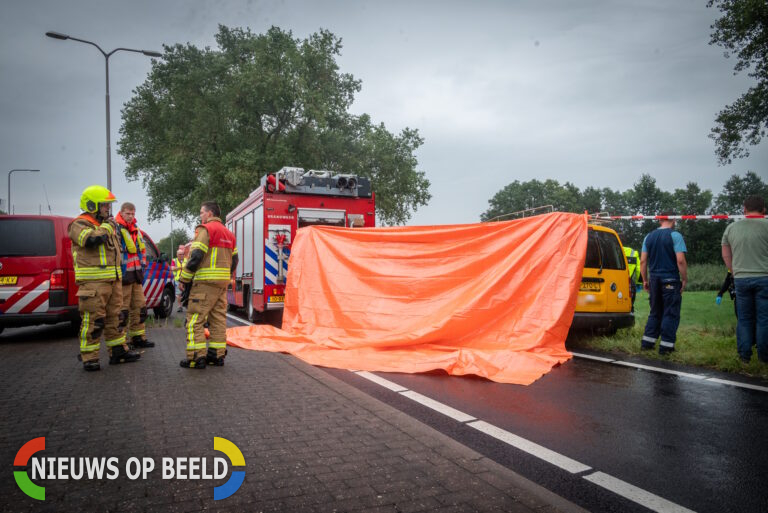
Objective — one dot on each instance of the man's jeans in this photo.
(752, 327)
(665, 298)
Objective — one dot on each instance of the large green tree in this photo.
(736, 190)
(178, 236)
(209, 123)
(519, 196)
(743, 31)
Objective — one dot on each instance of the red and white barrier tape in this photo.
(684, 217)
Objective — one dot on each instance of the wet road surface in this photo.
(698, 444)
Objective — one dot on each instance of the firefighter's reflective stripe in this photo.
(137, 333)
(217, 345)
(84, 235)
(96, 273)
(213, 273)
(116, 342)
(84, 333)
(102, 255)
(198, 245)
(186, 275)
(191, 346)
(107, 227)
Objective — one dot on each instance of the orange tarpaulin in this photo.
(491, 299)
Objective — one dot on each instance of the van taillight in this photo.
(57, 280)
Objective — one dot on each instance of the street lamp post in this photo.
(64, 37)
(9, 183)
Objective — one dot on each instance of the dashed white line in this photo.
(555, 458)
(617, 486)
(438, 406)
(635, 494)
(381, 381)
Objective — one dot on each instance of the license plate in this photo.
(276, 299)
(590, 286)
(8, 280)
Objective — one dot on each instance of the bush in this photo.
(705, 277)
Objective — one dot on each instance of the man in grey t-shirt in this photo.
(745, 252)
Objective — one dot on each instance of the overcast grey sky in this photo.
(593, 92)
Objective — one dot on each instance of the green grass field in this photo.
(706, 337)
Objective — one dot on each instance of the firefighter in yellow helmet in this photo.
(96, 257)
(633, 266)
(212, 258)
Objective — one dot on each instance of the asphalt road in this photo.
(689, 444)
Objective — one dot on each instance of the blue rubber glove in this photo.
(718, 300)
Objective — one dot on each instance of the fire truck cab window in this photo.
(605, 247)
(317, 216)
(151, 250)
(27, 237)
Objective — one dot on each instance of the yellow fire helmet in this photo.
(93, 195)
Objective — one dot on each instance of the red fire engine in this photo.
(265, 225)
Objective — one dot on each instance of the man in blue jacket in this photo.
(665, 274)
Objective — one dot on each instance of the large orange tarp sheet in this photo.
(491, 299)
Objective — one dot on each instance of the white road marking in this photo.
(659, 369)
(438, 406)
(591, 357)
(617, 486)
(737, 384)
(635, 494)
(381, 381)
(615, 362)
(702, 377)
(555, 458)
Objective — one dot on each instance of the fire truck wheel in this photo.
(166, 303)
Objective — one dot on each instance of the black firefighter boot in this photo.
(197, 363)
(120, 355)
(212, 359)
(137, 341)
(92, 365)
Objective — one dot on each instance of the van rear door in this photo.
(27, 259)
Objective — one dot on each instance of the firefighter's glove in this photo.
(718, 300)
(185, 294)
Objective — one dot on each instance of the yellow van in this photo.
(604, 303)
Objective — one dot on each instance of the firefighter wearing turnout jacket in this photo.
(134, 262)
(212, 259)
(96, 258)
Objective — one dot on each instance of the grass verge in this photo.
(706, 337)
